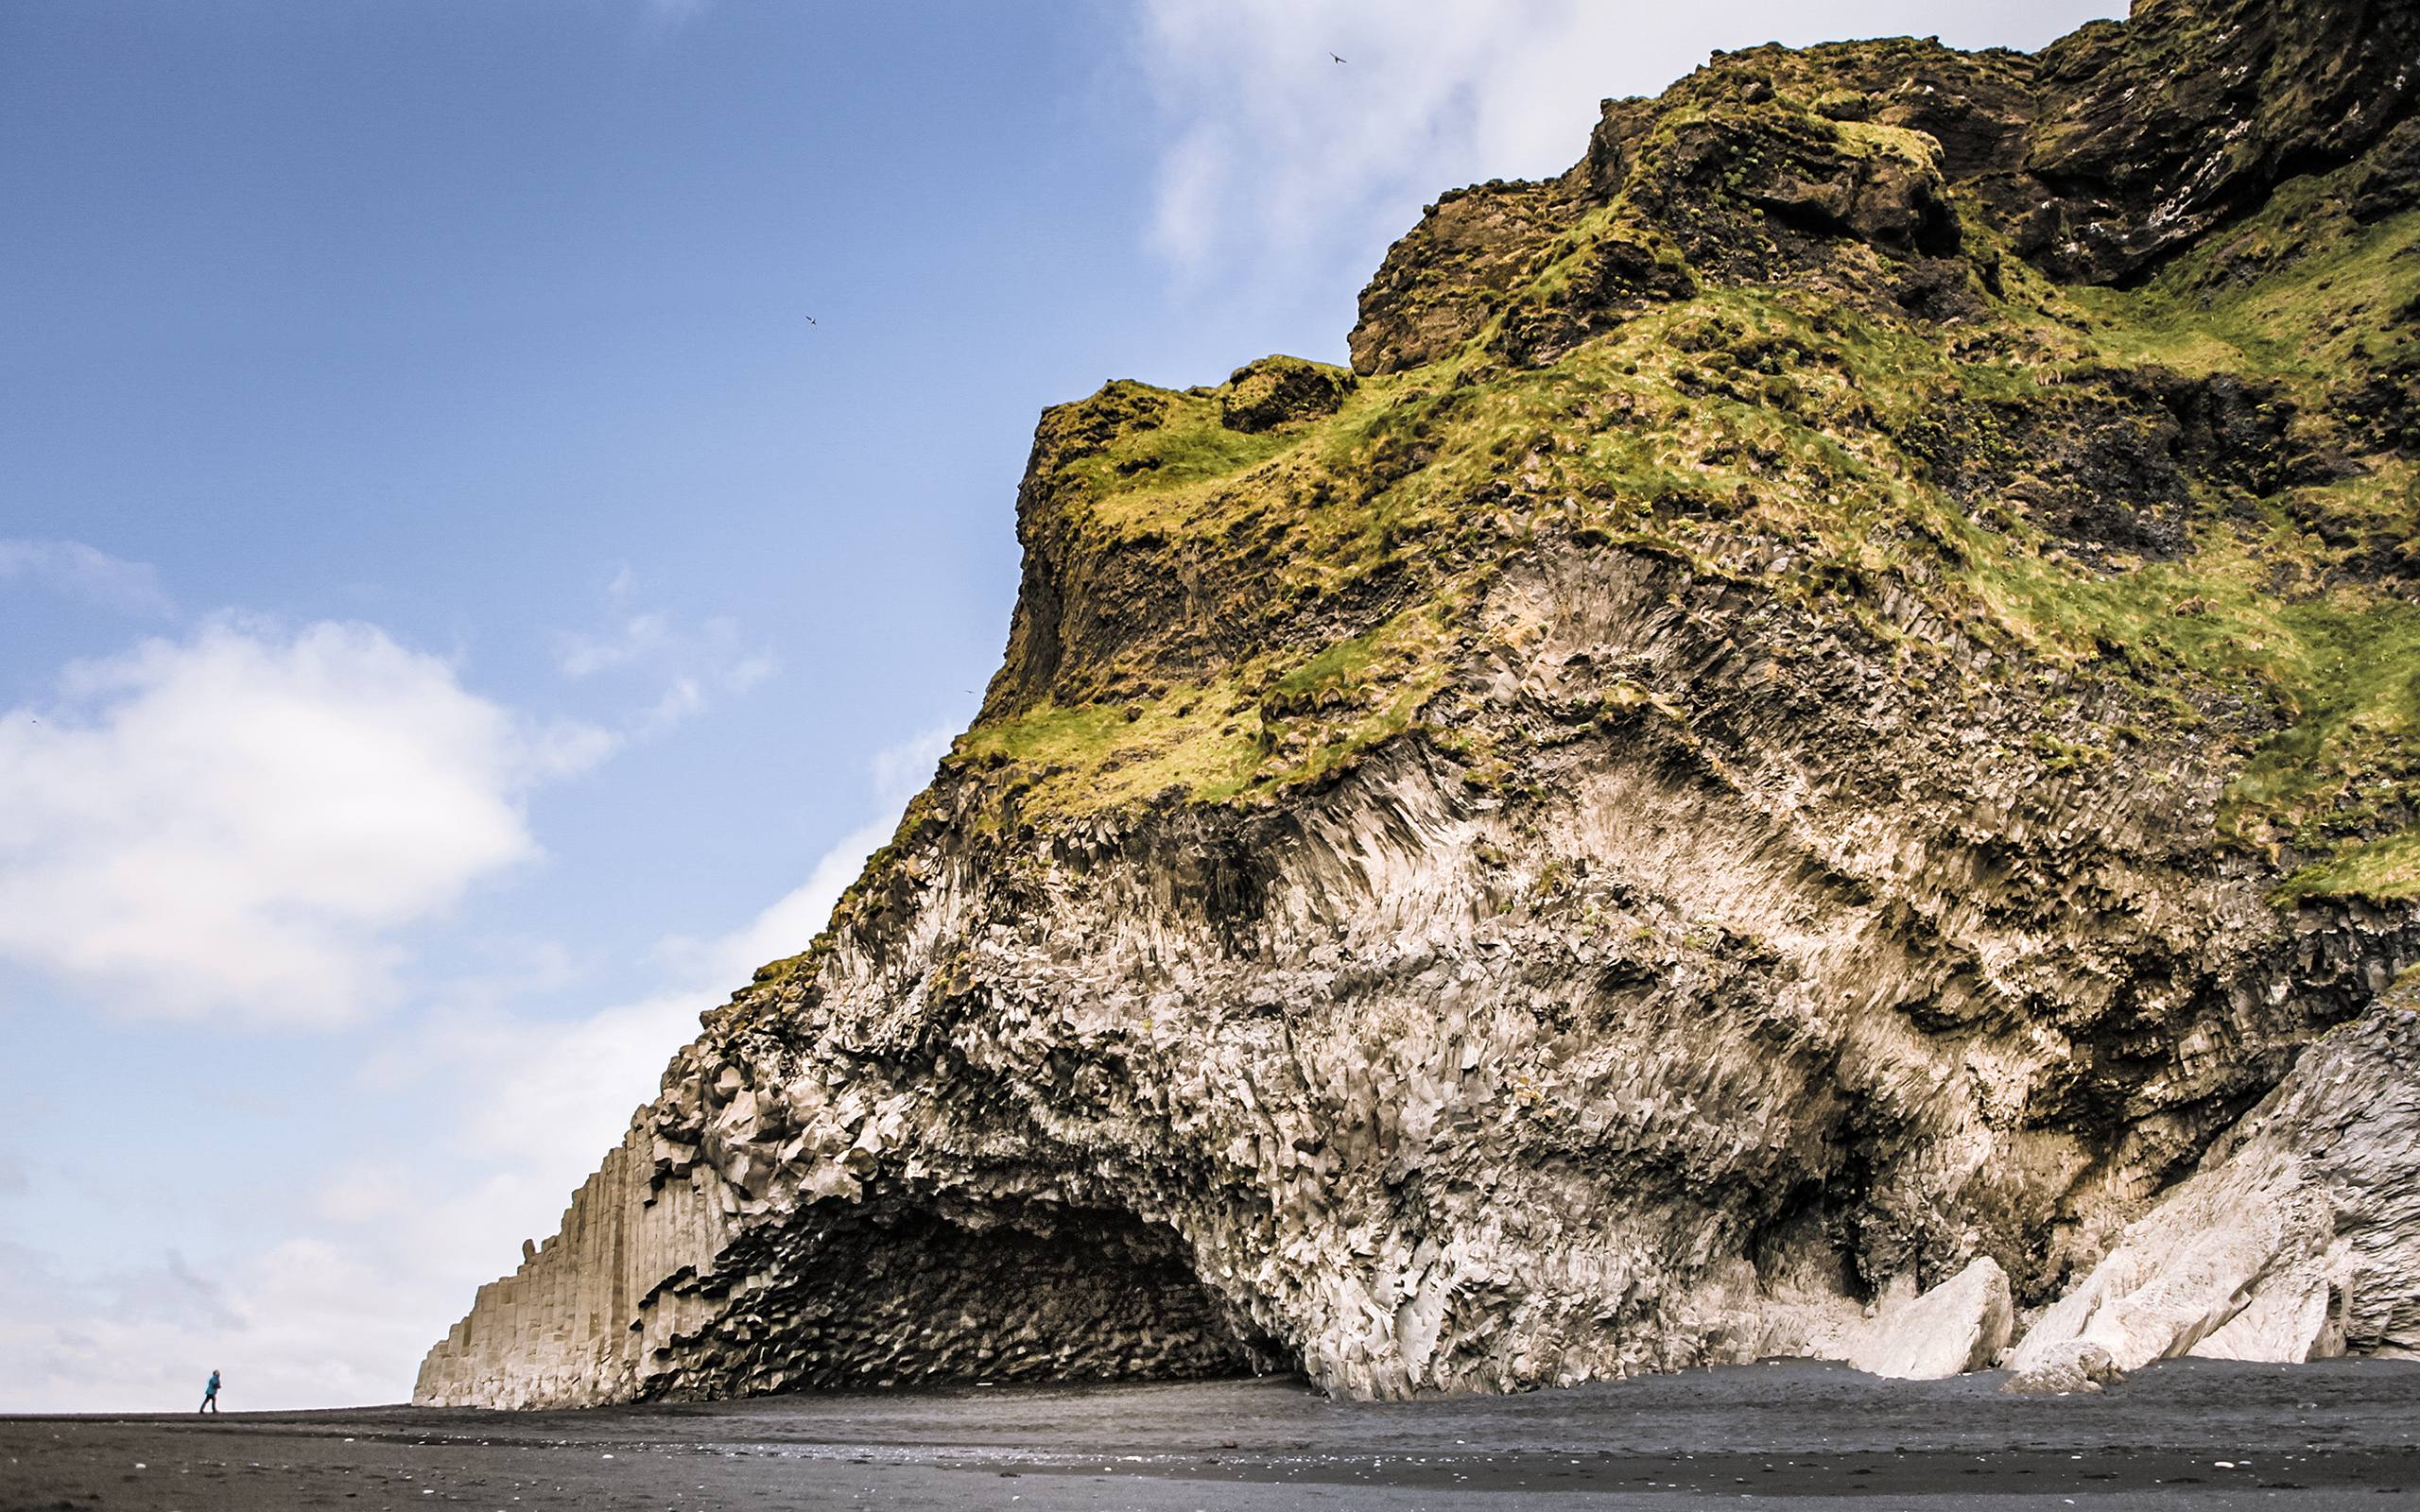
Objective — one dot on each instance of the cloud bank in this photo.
(238, 822)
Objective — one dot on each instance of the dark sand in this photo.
(2328, 1435)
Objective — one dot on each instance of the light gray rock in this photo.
(1400, 1117)
(1418, 1087)
(2078, 1365)
(2298, 1236)
(1961, 1325)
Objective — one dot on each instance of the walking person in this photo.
(210, 1394)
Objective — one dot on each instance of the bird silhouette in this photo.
(810, 319)
(1335, 58)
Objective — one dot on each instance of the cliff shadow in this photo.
(893, 1293)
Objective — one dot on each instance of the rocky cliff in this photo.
(1826, 707)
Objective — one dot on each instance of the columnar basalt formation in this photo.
(1826, 707)
(2296, 1239)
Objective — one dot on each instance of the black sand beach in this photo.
(2184, 1434)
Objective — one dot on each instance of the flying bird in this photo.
(1335, 58)
(810, 319)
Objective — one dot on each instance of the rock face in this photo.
(2240, 94)
(1825, 710)
(872, 1299)
(2297, 1239)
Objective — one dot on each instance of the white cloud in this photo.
(391, 1249)
(692, 664)
(1273, 154)
(582, 655)
(793, 921)
(1276, 150)
(548, 1097)
(902, 771)
(240, 821)
(84, 571)
(671, 15)
(682, 699)
(292, 1327)
(559, 1094)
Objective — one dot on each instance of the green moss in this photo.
(2061, 755)
(2277, 295)
(1354, 696)
(1774, 434)
(2351, 684)
(2383, 870)
(1865, 139)
(1160, 478)
(1219, 739)
(1200, 740)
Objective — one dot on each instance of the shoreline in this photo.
(2181, 1433)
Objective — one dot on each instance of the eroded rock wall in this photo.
(572, 1325)
(1658, 821)
(683, 1287)
(1420, 1090)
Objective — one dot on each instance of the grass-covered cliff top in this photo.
(1760, 354)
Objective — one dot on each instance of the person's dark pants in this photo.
(209, 1402)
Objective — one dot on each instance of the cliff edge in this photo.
(1827, 706)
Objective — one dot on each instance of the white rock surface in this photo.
(1961, 1325)
(2079, 1366)
(2298, 1238)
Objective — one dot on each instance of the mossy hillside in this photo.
(2280, 598)
(1772, 433)
(1272, 722)
(2381, 871)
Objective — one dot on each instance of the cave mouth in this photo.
(904, 1296)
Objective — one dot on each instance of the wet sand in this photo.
(2184, 1434)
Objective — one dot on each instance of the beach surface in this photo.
(2182, 1434)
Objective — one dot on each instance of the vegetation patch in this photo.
(2176, 494)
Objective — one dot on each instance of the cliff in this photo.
(1827, 708)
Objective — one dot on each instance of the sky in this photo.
(502, 505)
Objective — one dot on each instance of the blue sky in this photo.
(457, 614)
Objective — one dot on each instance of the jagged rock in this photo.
(1961, 1325)
(2082, 1365)
(1779, 750)
(1440, 284)
(1276, 390)
(2298, 1236)
(2391, 180)
(2155, 132)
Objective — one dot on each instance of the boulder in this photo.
(2078, 1366)
(1961, 1325)
(1279, 390)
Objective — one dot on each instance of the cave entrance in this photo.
(904, 1296)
